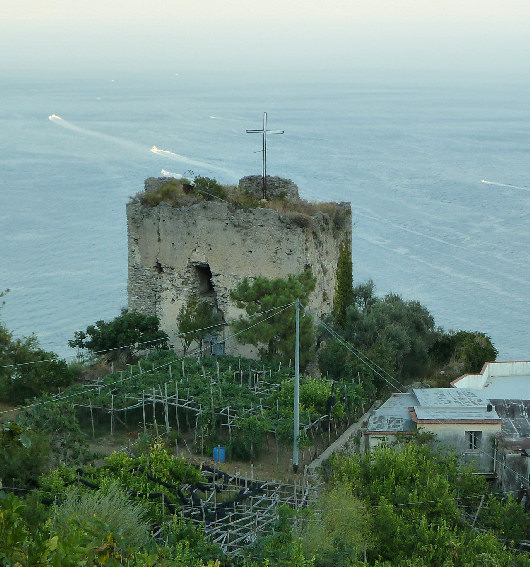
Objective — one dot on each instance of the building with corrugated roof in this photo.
(459, 418)
(484, 417)
(507, 386)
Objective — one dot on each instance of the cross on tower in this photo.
(264, 132)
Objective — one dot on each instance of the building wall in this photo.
(455, 436)
(493, 370)
(207, 248)
(513, 471)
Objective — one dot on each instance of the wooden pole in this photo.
(143, 410)
(177, 405)
(92, 420)
(166, 408)
(154, 413)
(112, 414)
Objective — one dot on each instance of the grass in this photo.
(300, 212)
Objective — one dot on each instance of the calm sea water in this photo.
(411, 158)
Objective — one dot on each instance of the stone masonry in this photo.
(208, 247)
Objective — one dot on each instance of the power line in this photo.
(136, 345)
(131, 377)
(352, 349)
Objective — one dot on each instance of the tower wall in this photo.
(207, 248)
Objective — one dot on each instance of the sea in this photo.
(437, 173)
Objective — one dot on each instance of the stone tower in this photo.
(206, 248)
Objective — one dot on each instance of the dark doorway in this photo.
(204, 275)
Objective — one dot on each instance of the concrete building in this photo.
(459, 418)
(507, 387)
(484, 417)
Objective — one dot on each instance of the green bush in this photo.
(24, 455)
(118, 337)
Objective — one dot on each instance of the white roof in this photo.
(449, 398)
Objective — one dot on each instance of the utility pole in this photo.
(296, 428)
(264, 133)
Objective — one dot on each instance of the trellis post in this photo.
(177, 405)
(143, 410)
(166, 408)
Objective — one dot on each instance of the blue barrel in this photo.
(219, 454)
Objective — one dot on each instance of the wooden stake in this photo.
(166, 408)
(111, 414)
(154, 413)
(92, 420)
(177, 405)
(143, 410)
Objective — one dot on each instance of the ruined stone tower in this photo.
(186, 245)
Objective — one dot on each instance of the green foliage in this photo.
(131, 473)
(61, 426)
(24, 455)
(195, 321)
(275, 333)
(337, 529)
(394, 333)
(344, 286)
(90, 517)
(466, 349)
(14, 533)
(417, 498)
(504, 517)
(120, 335)
(26, 370)
(209, 188)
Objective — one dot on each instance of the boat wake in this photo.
(190, 161)
(56, 119)
(170, 174)
(94, 134)
(505, 185)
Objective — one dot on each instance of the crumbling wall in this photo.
(207, 248)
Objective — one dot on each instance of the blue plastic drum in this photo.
(219, 454)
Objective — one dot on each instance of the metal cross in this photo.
(264, 132)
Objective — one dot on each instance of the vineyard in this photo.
(229, 402)
(206, 403)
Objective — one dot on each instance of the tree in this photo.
(394, 333)
(26, 370)
(419, 500)
(195, 322)
(119, 336)
(344, 286)
(274, 332)
(24, 455)
(469, 350)
(209, 188)
(338, 530)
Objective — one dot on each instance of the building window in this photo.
(474, 438)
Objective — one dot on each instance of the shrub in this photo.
(120, 335)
